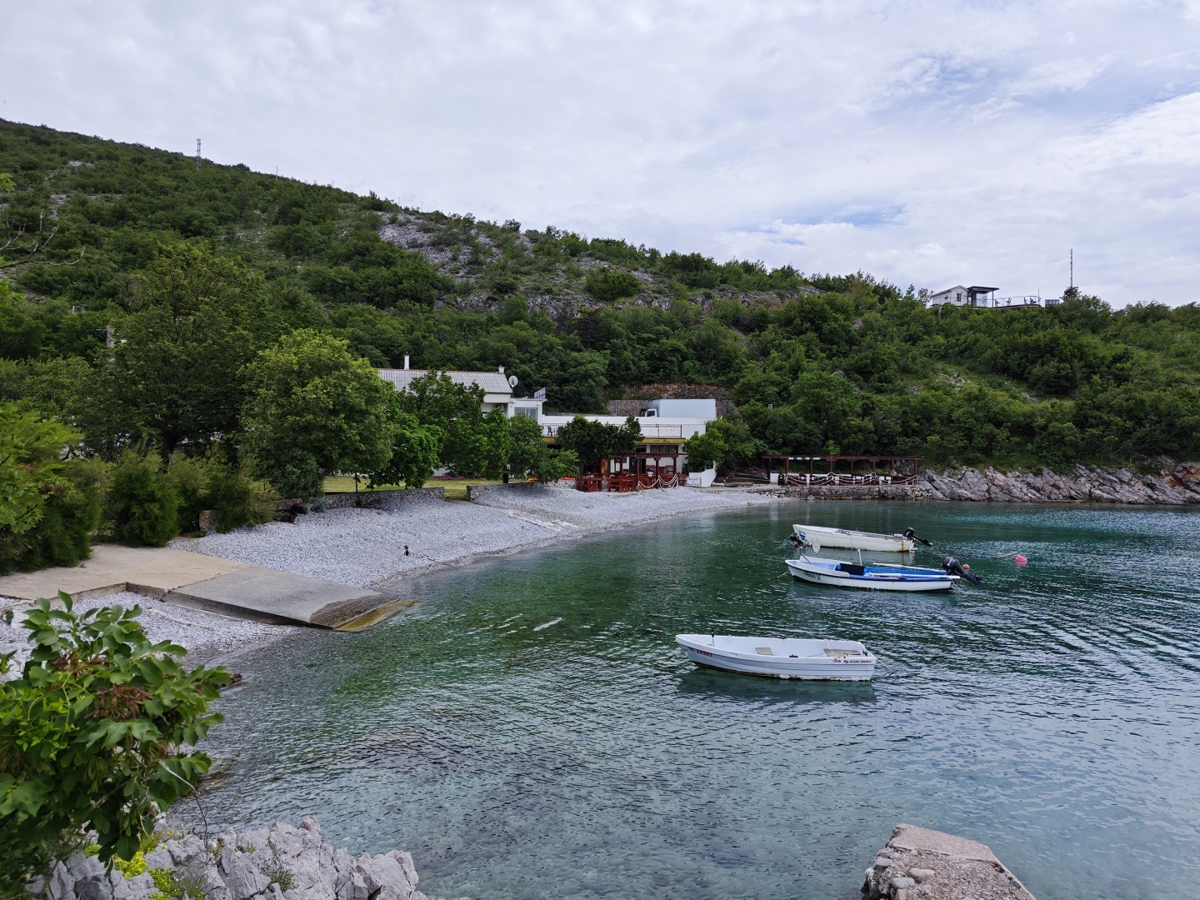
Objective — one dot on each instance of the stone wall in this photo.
(478, 491)
(1174, 485)
(382, 499)
(280, 863)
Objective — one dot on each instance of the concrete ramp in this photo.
(268, 594)
(219, 586)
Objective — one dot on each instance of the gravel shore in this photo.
(366, 547)
(208, 638)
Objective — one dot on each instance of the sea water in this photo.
(530, 729)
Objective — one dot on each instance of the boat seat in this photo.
(763, 651)
(850, 569)
(840, 654)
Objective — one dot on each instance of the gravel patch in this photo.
(208, 638)
(363, 547)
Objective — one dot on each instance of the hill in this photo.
(811, 363)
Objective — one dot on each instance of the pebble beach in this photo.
(371, 548)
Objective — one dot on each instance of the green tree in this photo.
(594, 441)
(174, 376)
(725, 444)
(415, 449)
(93, 736)
(529, 455)
(471, 446)
(314, 410)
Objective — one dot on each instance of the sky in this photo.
(927, 143)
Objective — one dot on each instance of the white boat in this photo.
(800, 658)
(818, 536)
(877, 577)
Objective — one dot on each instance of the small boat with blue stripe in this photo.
(870, 576)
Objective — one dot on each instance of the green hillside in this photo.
(812, 363)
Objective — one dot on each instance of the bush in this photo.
(62, 536)
(91, 737)
(210, 482)
(143, 501)
(608, 285)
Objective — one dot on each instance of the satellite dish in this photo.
(512, 380)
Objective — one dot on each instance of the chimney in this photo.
(502, 370)
(406, 361)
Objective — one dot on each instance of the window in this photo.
(530, 411)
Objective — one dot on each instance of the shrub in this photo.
(62, 536)
(143, 501)
(91, 736)
(49, 505)
(611, 284)
(210, 482)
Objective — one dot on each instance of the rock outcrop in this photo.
(919, 864)
(280, 863)
(1174, 485)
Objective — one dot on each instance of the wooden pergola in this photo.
(858, 474)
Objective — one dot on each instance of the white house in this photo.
(976, 295)
(498, 388)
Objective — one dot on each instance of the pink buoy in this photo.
(1020, 560)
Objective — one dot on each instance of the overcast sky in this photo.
(926, 143)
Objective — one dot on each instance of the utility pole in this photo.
(197, 154)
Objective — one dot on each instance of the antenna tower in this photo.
(197, 154)
(1072, 259)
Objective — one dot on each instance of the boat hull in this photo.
(820, 536)
(829, 664)
(871, 578)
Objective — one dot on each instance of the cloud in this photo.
(834, 136)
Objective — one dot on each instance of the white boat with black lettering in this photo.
(810, 659)
(818, 536)
(871, 577)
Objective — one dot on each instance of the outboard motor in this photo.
(912, 536)
(954, 567)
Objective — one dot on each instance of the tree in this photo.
(314, 409)
(174, 376)
(724, 443)
(415, 450)
(529, 455)
(470, 446)
(593, 441)
(93, 736)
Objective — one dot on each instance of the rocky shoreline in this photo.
(1174, 485)
(279, 863)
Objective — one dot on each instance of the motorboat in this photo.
(868, 576)
(810, 659)
(818, 536)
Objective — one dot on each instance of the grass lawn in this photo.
(456, 489)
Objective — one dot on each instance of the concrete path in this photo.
(203, 582)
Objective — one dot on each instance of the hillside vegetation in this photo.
(813, 363)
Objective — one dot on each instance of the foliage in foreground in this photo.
(95, 734)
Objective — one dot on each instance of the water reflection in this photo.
(710, 684)
(531, 729)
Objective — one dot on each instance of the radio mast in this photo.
(1072, 250)
(197, 154)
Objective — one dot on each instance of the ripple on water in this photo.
(530, 730)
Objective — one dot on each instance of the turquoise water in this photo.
(530, 730)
